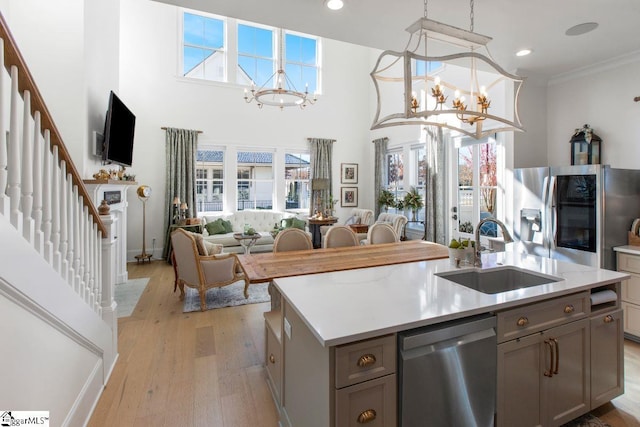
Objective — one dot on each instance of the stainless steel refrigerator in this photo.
(575, 213)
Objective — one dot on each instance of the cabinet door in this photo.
(520, 364)
(566, 395)
(607, 358)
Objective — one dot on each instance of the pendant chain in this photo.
(472, 14)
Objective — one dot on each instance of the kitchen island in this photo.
(331, 348)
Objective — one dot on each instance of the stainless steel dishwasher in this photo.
(448, 374)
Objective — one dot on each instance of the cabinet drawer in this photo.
(274, 364)
(628, 262)
(372, 403)
(365, 360)
(631, 290)
(528, 319)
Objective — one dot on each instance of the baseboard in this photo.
(87, 400)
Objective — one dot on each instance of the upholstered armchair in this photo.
(203, 272)
(356, 216)
(396, 221)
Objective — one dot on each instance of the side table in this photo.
(246, 240)
(314, 228)
(359, 228)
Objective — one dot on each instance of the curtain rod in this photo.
(165, 128)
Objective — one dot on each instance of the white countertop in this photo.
(347, 306)
(634, 250)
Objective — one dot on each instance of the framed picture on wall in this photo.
(348, 173)
(349, 197)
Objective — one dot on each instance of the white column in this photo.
(13, 165)
(26, 179)
(4, 200)
(38, 184)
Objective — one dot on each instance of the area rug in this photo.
(226, 296)
(127, 295)
(586, 420)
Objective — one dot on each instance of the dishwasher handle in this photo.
(445, 331)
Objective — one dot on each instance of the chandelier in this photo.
(462, 90)
(284, 94)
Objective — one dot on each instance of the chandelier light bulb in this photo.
(335, 4)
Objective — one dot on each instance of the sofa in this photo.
(262, 221)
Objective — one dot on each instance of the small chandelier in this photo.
(284, 94)
(428, 82)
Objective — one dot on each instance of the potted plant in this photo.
(413, 201)
(386, 200)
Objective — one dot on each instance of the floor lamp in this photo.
(144, 192)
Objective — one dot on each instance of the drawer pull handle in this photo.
(608, 318)
(367, 416)
(557, 347)
(272, 358)
(366, 360)
(569, 309)
(523, 321)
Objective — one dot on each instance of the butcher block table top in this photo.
(264, 267)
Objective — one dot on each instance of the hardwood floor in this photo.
(206, 368)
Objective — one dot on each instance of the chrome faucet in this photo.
(477, 262)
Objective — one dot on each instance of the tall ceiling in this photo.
(513, 24)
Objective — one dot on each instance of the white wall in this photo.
(530, 146)
(50, 36)
(603, 98)
(150, 87)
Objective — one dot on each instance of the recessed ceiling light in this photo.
(580, 29)
(334, 4)
(523, 52)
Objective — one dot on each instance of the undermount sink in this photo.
(498, 279)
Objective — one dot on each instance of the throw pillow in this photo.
(228, 228)
(298, 223)
(200, 244)
(215, 228)
(287, 222)
(352, 220)
(213, 248)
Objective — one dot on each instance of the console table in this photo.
(314, 228)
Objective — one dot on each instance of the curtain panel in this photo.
(181, 146)
(380, 171)
(434, 226)
(321, 159)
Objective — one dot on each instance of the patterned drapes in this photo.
(380, 170)
(181, 146)
(435, 227)
(321, 158)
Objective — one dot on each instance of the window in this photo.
(209, 180)
(257, 50)
(203, 41)
(297, 170)
(256, 61)
(301, 62)
(419, 159)
(255, 180)
(477, 187)
(395, 175)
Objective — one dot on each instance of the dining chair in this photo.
(292, 239)
(340, 236)
(381, 232)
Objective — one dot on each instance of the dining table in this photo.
(264, 267)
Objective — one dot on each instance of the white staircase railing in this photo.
(42, 194)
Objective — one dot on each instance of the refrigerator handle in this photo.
(552, 209)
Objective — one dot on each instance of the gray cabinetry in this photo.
(630, 263)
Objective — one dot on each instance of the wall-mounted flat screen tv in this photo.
(119, 130)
